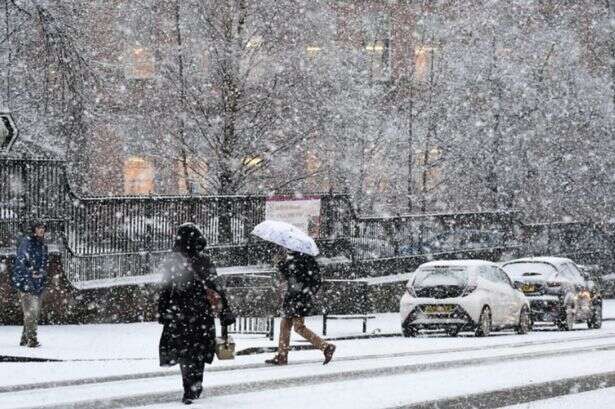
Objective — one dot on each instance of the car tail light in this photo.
(553, 284)
(585, 294)
(469, 289)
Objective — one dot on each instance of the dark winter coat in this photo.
(30, 266)
(302, 275)
(189, 332)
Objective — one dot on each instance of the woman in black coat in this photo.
(189, 289)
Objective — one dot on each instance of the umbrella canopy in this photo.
(286, 235)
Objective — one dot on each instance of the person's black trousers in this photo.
(192, 378)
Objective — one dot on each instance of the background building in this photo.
(408, 106)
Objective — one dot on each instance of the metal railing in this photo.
(31, 189)
(113, 237)
(411, 235)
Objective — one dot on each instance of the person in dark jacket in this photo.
(189, 299)
(301, 275)
(28, 277)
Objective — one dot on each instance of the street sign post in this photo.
(8, 132)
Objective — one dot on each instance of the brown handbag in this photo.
(225, 346)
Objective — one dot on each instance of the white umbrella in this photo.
(286, 235)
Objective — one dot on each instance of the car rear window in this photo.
(528, 270)
(432, 276)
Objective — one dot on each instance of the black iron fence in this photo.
(584, 242)
(412, 235)
(105, 238)
(137, 224)
(31, 189)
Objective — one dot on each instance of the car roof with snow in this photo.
(550, 260)
(458, 263)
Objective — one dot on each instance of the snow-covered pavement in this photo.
(598, 399)
(373, 381)
(117, 364)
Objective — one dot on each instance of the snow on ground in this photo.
(139, 341)
(598, 399)
(383, 387)
(118, 349)
(406, 388)
(129, 349)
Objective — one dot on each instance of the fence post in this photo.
(271, 327)
(225, 235)
(149, 231)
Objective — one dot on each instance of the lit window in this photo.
(312, 50)
(312, 162)
(422, 59)
(141, 64)
(252, 161)
(138, 176)
(255, 42)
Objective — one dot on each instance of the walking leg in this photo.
(283, 343)
(305, 332)
(327, 348)
(284, 340)
(186, 379)
(199, 368)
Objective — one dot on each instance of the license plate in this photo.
(528, 288)
(437, 309)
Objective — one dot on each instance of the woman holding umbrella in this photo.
(189, 299)
(301, 276)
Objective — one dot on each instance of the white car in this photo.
(463, 295)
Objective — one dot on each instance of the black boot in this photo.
(187, 399)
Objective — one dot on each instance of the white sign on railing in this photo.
(303, 212)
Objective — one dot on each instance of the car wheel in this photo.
(484, 323)
(409, 331)
(595, 322)
(525, 322)
(453, 331)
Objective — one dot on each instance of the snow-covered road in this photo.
(374, 373)
(117, 366)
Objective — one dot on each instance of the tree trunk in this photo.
(181, 131)
(410, 187)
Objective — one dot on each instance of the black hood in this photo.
(189, 240)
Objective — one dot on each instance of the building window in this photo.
(138, 176)
(256, 41)
(422, 60)
(141, 64)
(312, 51)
